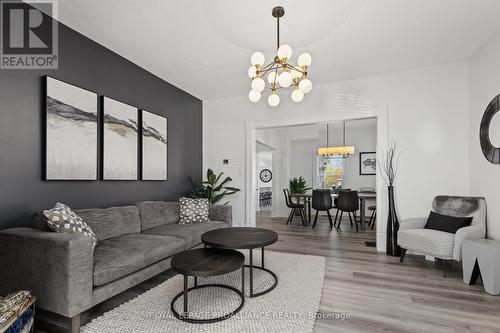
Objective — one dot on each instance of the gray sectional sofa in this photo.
(68, 277)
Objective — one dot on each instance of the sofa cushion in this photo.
(193, 210)
(427, 241)
(156, 213)
(119, 256)
(61, 218)
(111, 222)
(446, 223)
(190, 233)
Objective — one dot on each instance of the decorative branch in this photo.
(389, 163)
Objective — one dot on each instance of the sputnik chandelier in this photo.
(280, 73)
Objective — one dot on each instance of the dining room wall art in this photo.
(120, 140)
(71, 131)
(367, 163)
(154, 146)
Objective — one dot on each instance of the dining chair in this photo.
(347, 201)
(294, 206)
(373, 218)
(322, 201)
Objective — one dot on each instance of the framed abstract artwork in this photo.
(120, 140)
(367, 163)
(71, 125)
(154, 146)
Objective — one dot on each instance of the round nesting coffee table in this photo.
(239, 238)
(203, 263)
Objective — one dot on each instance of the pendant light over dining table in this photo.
(343, 151)
(279, 73)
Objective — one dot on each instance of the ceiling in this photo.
(204, 47)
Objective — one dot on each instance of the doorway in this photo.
(377, 112)
(264, 176)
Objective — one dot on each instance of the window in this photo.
(330, 171)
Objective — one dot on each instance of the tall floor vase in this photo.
(392, 248)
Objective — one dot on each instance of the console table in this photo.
(480, 258)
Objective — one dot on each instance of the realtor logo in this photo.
(29, 35)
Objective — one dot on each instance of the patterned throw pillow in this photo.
(193, 210)
(62, 219)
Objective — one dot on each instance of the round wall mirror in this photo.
(489, 132)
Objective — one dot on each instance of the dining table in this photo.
(363, 197)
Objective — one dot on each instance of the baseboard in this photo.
(381, 242)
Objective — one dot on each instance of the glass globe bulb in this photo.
(273, 100)
(258, 59)
(297, 95)
(305, 86)
(304, 60)
(295, 74)
(284, 52)
(258, 84)
(252, 72)
(254, 96)
(285, 79)
(271, 76)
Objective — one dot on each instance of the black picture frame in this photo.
(365, 156)
(46, 171)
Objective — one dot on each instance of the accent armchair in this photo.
(443, 245)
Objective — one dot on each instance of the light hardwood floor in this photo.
(379, 293)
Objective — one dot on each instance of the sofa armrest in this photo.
(222, 213)
(56, 267)
(473, 231)
(413, 223)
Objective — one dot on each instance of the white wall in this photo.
(362, 134)
(428, 116)
(485, 176)
(302, 159)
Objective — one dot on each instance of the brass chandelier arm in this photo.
(266, 67)
(275, 77)
(270, 67)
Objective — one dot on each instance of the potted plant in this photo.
(213, 188)
(298, 186)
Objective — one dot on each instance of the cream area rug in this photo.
(290, 307)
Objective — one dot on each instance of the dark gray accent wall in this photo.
(89, 65)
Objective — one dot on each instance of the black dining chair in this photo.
(294, 206)
(373, 218)
(322, 201)
(347, 201)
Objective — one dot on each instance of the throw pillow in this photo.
(193, 210)
(446, 223)
(62, 219)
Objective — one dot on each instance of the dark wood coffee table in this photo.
(240, 238)
(207, 262)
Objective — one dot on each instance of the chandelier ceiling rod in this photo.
(343, 123)
(277, 13)
(327, 134)
(278, 34)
